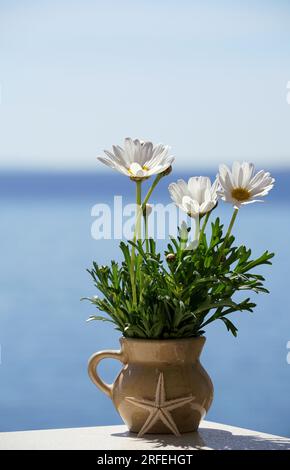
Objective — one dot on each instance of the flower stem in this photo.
(140, 209)
(231, 224)
(197, 227)
(136, 235)
(145, 216)
(204, 225)
(234, 216)
(146, 199)
(151, 189)
(139, 234)
(139, 203)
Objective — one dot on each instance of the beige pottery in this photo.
(162, 386)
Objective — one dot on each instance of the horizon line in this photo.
(104, 172)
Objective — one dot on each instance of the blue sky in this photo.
(207, 77)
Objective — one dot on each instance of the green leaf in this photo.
(264, 259)
(230, 326)
(95, 317)
(177, 299)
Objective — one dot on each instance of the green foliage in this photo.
(177, 301)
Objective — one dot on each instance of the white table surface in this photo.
(210, 436)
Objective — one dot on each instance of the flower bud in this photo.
(170, 257)
(183, 232)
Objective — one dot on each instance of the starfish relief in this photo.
(159, 408)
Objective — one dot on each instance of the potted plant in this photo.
(162, 304)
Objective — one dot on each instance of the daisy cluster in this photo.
(239, 185)
(178, 293)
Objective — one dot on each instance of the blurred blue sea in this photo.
(46, 246)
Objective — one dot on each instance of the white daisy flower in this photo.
(139, 160)
(241, 186)
(197, 197)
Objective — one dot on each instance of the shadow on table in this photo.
(212, 439)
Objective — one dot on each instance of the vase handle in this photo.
(93, 364)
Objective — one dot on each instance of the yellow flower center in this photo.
(240, 194)
(144, 168)
(133, 175)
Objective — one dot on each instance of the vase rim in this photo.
(164, 351)
(163, 340)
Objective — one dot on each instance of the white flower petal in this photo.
(194, 187)
(157, 169)
(129, 148)
(214, 189)
(183, 186)
(118, 155)
(114, 165)
(190, 206)
(107, 162)
(206, 207)
(225, 177)
(146, 152)
(223, 170)
(235, 173)
(153, 162)
(250, 201)
(249, 169)
(261, 192)
(138, 152)
(175, 193)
